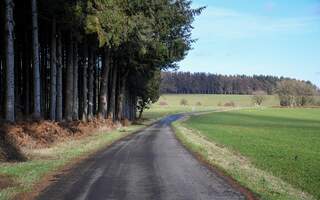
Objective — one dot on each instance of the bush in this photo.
(295, 93)
(198, 103)
(163, 103)
(183, 102)
(230, 104)
(317, 103)
(258, 97)
(219, 104)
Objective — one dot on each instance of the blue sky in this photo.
(279, 37)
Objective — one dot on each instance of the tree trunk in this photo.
(103, 99)
(69, 82)
(112, 109)
(9, 56)
(59, 79)
(85, 83)
(36, 64)
(140, 113)
(26, 75)
(75, 83)
(91, 85)
(1, 86)
(17, 82)
(53, 79)
(134, 107)
(121, 97)
(96, 83)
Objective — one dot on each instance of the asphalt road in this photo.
(150, 165)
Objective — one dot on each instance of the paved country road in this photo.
(149, 165)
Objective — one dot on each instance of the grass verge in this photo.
(45, 161)
(261, 182)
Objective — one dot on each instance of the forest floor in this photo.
(274, 152)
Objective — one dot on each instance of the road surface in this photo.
(149, 165)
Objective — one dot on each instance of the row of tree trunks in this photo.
(47, 72)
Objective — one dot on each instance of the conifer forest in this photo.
(67, 60)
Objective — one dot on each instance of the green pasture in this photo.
(171, 103)
(284, 142)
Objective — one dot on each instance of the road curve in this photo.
(149, 165)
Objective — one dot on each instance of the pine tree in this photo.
(9, 55)
(103, 97)
(69, 81)
(53, 65)
(36, 62)
(59, 78)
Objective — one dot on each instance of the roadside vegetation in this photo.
(24, 176)
(274, 151)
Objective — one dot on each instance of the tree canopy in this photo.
(88, 55)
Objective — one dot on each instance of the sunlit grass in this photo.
(170, 103)
(284, 142)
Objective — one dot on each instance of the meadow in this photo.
(283, 142)
(171, 103)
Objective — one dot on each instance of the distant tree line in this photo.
(206, 83)
(81, 59)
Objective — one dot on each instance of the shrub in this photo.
(198, 103)
(163, 103)
(317, 103)
(183, 102)
(219, 104)
(258, 97)
(229, 104)
(295, 93)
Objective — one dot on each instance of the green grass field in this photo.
(170, 103)
(284, 142)
(214, 100)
